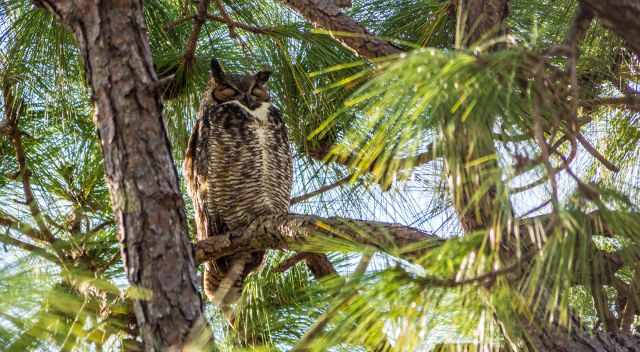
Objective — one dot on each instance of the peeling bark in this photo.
(328, 15)
(140, 171)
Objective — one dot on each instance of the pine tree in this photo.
(466, 175)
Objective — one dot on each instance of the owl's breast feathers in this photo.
(238, 165)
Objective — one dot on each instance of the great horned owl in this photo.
(238, 167)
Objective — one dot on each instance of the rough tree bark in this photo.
(621, 16)
(140, 171)
(328, 15)
(299, 231)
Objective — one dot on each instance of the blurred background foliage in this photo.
(62, 282)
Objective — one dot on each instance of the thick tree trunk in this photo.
(141, 174)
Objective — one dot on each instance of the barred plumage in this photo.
(238, 166)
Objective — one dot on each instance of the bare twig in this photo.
(172, 25)
(227, 19)
(323, 189)
(631, 102)
(544, 146)
(484, 279)
(318, 263)
(577, 33)
(291, 262)
(234, 24)
(198, 21)
(536, 208)
(592, 150)
(41, 252)
(12, 113)
(553, 150)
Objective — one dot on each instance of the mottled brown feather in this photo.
(237, 166)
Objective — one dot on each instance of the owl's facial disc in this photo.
(249, 90)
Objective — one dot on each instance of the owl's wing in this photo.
(284, 161)
(196, 176)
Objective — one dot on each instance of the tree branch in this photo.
(318, 263)
(291, 262)
(41, 252)
(351, 34)
(12, 114)
(226, 19)
(198, 21)
(323, 189)
(621, 16)
(234, 24)
(632, 102)
(300, 231)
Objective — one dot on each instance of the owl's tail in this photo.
(223, 280)
(224, 288)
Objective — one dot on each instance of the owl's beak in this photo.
(249, 102)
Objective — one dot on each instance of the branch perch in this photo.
(299, 231)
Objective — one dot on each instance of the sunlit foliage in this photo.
(393, 132)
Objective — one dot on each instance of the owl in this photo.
(237, 167)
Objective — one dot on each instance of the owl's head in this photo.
(249, 90)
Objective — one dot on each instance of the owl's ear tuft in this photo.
(263, 76)
(216, 71)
